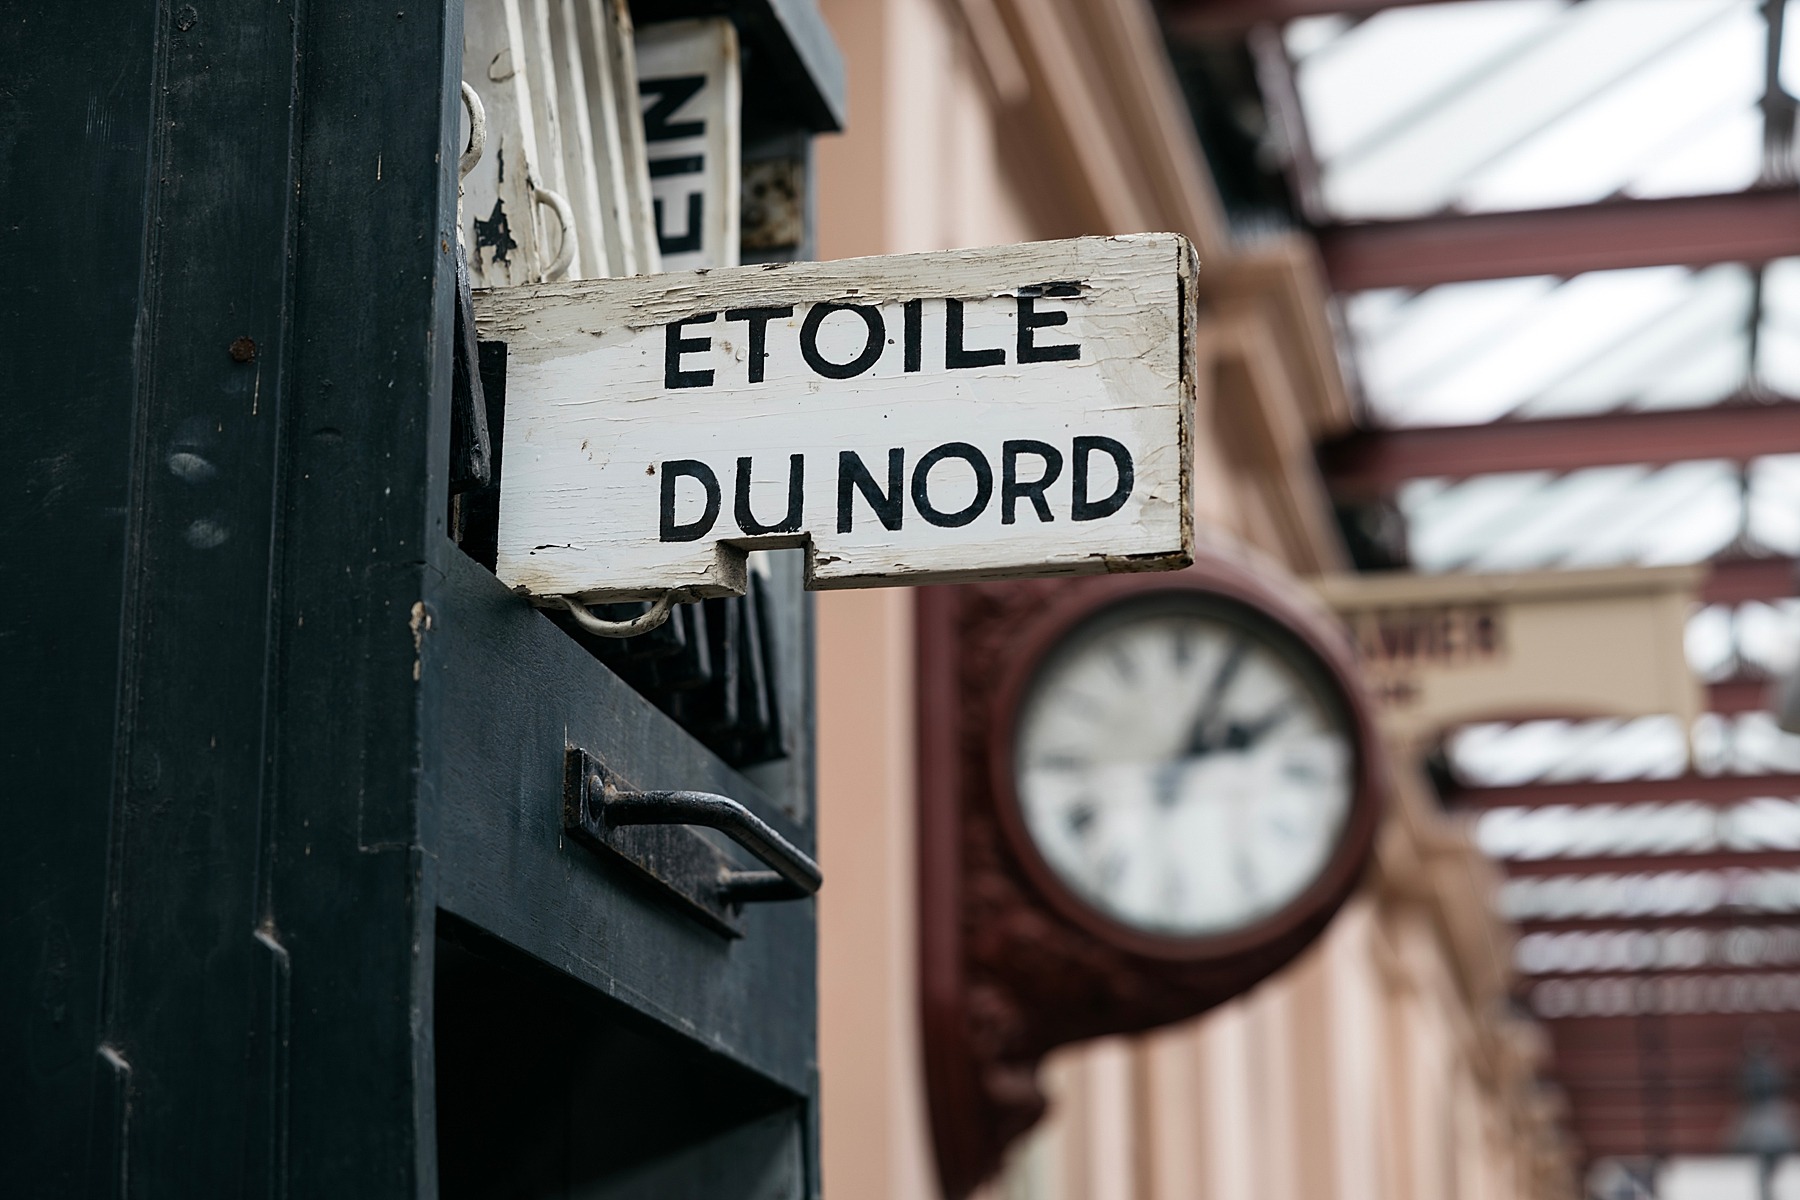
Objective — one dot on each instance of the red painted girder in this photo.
(1675, 1105)
(1723, 919)
(1708, 789)
(1629, 1135)
(1624, 1068)
(1678, 1029)
(1732, 696)
(1378, 461)
(1666, 926)
(1751, 227)
(1628, 1071)
(1684, 1037)
(1741, 580)
(1701, 1138)
(1527, 981)
(1668, 1098)
(1656, 864)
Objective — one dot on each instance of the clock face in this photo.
(1183, 766)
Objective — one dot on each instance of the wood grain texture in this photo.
(605, 391)
(499, 209)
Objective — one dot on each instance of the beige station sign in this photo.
(1445, 650)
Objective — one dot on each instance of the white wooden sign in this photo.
(972, 414)
(689, 93)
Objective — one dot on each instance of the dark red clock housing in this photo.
(1012, 962)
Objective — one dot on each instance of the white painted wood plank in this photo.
(541, 70)
(623, 392)
(691, 99)
(501, 228)
(609, 151)
(578, 144)
(634, 170)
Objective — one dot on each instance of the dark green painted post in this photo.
(285, 905)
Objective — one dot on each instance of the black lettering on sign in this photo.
(758, 319)
(671, 94)
(809, 340)
(984, 485)
(685, 243)
(1085, 509)
(693, 531)
(1033, 490)
(853, 477)
(955, 356)
(674, 346)
(1487, 631)
(914, 313)
(1030, 320)
(686, 164)
(790, 523)
(1441, 636)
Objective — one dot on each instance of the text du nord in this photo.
(1042, 465)
(1043, 462)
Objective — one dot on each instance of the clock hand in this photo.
(1243, 735)
(1199, 738)
(1167, 786)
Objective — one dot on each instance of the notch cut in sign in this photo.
(909, 419)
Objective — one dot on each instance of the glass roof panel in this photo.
(1660, 894)
(1503, 104)
(1654, 337)
(1599, 516)
(1666, 948)
(1361, 78)
(1774, 522)
(1712, 642)
(1511, 754)
(1602, 516)
(1778, 337)
(1788, 73)
(1767, 636)
(1749, 744)
(1757, 638)
(1691, 827)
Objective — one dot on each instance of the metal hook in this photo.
(657, 614)
(477, 133)
(565, 216)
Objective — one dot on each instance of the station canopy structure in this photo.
(1564, 243)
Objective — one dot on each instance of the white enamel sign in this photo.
(972, 414)
(688, 91)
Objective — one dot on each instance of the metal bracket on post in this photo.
(648, 830)
(651, 618)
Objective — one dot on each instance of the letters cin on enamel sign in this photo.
(975, 414)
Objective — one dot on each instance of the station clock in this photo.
(1180, 767)
(1140, 796)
